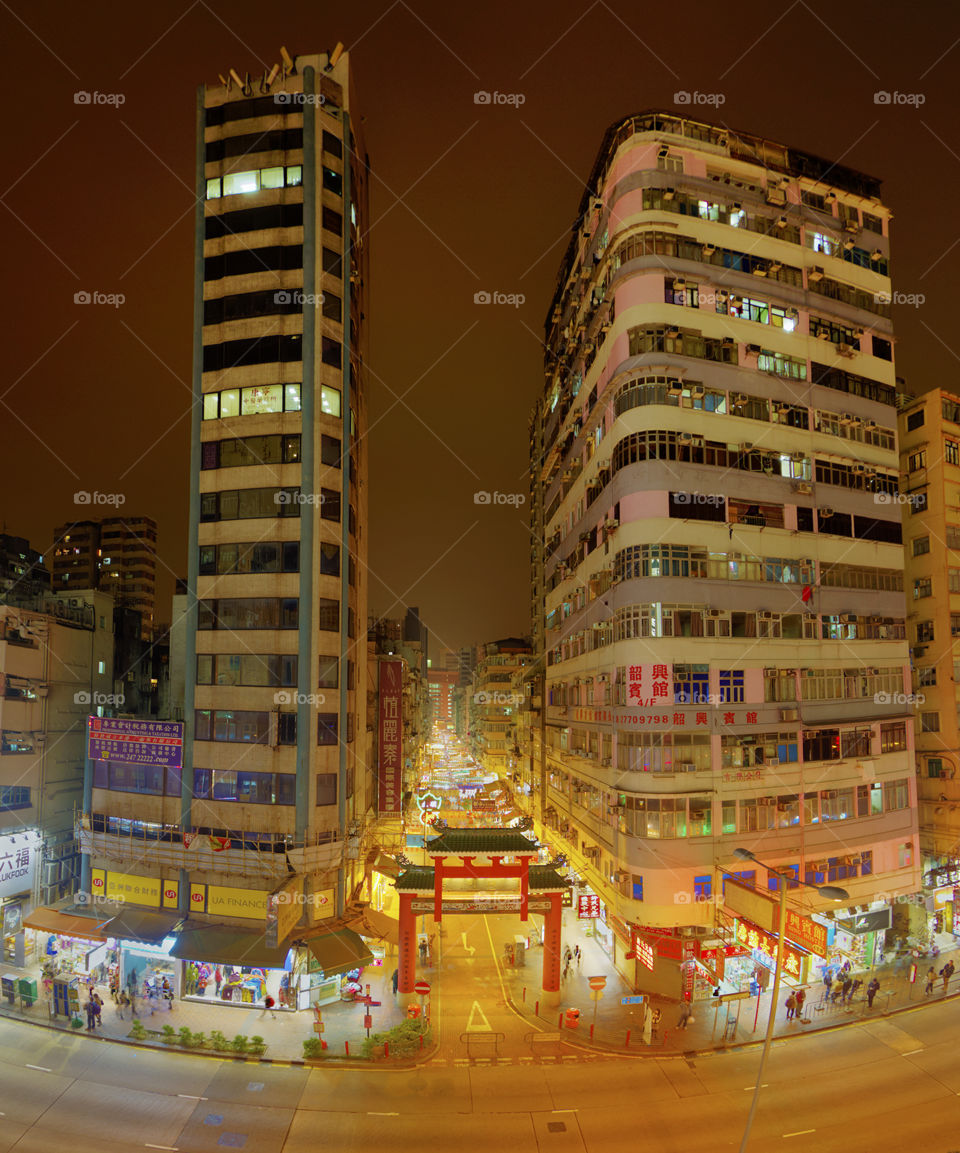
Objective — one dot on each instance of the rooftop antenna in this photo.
(289, 68)
(225, 81)
(334, 57)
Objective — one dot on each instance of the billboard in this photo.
(390, 760)
(19, 854)
(136, 742)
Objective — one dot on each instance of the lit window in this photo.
(271, 177)
(330, 400)
(101, 667)
(213, 188)
(211, 406)
(261, 398)
(294, 174)
(292, 402)
(238, 182)
(230, 402)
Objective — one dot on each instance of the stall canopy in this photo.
(866, 922)
(339, 951)
(142, 925)
(375, 925)
(227, 945)
(68, 924)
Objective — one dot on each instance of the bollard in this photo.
(627, 1044)
(421, 1040)
(386, 1048)
(560, 1022)
(346, 1046)
(524, 992)
(536, 1009)
(591, 1032)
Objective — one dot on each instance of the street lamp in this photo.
(833, 893)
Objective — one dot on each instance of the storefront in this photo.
(19, 854)
(859, 940)
(229, 966)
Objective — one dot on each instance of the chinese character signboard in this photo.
(136, 742)
(665, 715)
(806, 932)
(763, 946)
(588, 906)
(18, 863)
(390, 766)
(649, 685)
(644, 950)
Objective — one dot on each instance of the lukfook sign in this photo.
(18, 863)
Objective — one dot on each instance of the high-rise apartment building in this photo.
(719, 602)
(23, 574)
(117, 555)
(494, 707)
(930, 465)
(274, 664)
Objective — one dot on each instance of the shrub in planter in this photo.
(218, 1041)
(169, 1035)
(185, 1037)
(198, 1041)
(312, 1048)
(137, 1031)
(403, 1040)
(239, 1044)
(257, 1046)
(76, 1023)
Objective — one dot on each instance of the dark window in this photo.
(329, 504)
(330, 451)
(882, 348)
(247, 305)
(837, 523)
(332, 144)
(915, 419)
(333, 182)
(253, 220)
(239, 613)
(330, 352)
(249, 504)
(332, 307)
(248, 110)
(326, 728)
(804, 519)
(326, 787)
(244, 262)
(332, 221)
(332, 262)
(279, 140)
(329, 672)
(14, 797)
(233, 725)
(287, 729)
(866, 528)
(329, 559)
(328, 614)
(253, 350)
(681, 505)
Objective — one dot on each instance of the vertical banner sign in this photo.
(390, 766)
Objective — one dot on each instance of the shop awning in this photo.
(49, 920)
(376, 926)
(143, 925)
(866, 922)
(381, 862)
(339, 951)
(227, 945)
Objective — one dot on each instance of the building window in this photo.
(329, 673)
(929, 722)
(917, 502)
(637, 887)
(953, 580)
(934, 767)
(14, 797)
(924, 632)
(731, 686)
(922, 587)
(702, 887)
(234, 725)
(893, 737)
(690, 684)
(917, 460)
(921, 545)
(326, 788)
(327, 728)
(927, 677)
(951, 452)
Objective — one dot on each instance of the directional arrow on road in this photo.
(471, 949)
(478, 1018)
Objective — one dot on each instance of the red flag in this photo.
(218, 844)
(807, 593)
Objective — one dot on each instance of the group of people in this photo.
(946, 973)
(569, 956)
(93, 1008)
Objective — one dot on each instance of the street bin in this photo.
(27, 987)
(413, 1012)
(8, 986)
(573, 1018)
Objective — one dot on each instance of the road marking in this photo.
(371, 1114)
(747, 1088)
(150, 1146)
(799, 1133)
(40, 1068)
(564, 1110)
(191, 1097)
(910, 1052)
(471, 949)
(496, 959)
(483, 1024)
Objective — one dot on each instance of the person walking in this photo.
(655, 1017)
(827, 982)
(566, 967)
(946, 973)
(872, 989)
(577, 955)
(91, 1016)
(395, 980)
(931, 978)
(97, 1009)
(800, 996)
(132, 999)
(791, 1006)
(218, 978)
(845, 989)
(686, 1015)
(122, 1002)
(268, 1004)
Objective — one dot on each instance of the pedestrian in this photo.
(566, 968)
(791, 1006)
(827, 982)
(931, 977)
(91, 1016)
(577, 954)
(800, 996)
(218, 978)
(396, 981)
(97, 1008)
(423, 951)
(872, 989)
(132, 998)
(686, 1015)
(946, 973)
(846, 987)
(655, 1018)
(122, 1002)
(268, 1004)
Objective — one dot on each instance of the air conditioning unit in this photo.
(850, 618)
(765, 615)
(688, 767)
(775, 195)
(686, 438)
(738, 398)
(830, 794)
(789, 714)
(860, 469)
(830, 197)
(673, 332)
(781, 222)
(611, 524)
(775, 266)
(803, 488)
(669, 193)
(745, 447)
(607, 762)
(709, 249)
(826, 513)
(815, 273)
(845, 349)
(714, 612)
(697, 391)
(679, 284)
(759, 270)
(851, 225)
(753, 349)
(848, 418)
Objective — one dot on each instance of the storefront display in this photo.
(145, 968)
(248, 985)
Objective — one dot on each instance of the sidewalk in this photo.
(284, 1035)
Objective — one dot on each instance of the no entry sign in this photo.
(422, 988)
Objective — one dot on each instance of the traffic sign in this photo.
(422, 988)
(596, 994)
(636, 999)
(598, 982)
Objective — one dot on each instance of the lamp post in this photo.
(833, 893)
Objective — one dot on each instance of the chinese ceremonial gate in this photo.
(481, 854)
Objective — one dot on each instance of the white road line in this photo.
(371, 1114)
(799, 1133)
(910, 1052)
(192, 1097)
(40, 1068)
(747, 1088)
(173, 1147)
(564, 1110)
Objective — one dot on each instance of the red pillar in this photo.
(524, 888)
(552, 926)
(438, 889)
(407, 959)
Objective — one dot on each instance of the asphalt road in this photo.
(883, 1084)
